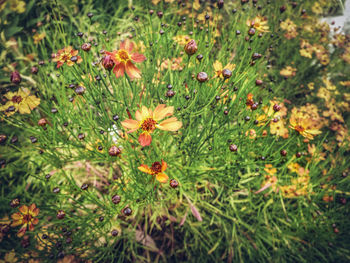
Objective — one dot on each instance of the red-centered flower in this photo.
(156, 170)
(67, 55)
(25, 217)
(147, 121)
(123, 59)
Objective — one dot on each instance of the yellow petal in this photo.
(171, 124)
(162, 177)
(161, 112)
(144, 168)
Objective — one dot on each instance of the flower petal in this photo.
(24, 209)
(162, 177)
(171, 124)
(132, 70)
(22, 231)
(130, 124)
(145, 139)
(138, 115)
(144, 168)
(145, 112)
(16, 223)
(162, 112)
(17, 216)
(164, 165)
(119, 69)
(127, 45)
(136, 57)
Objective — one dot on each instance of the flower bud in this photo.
(86, 46)
(202, 76)
(15, 77)
(107, 62)
(191, 47)
(42, 122)
(60, 214)
(226, 73)
(114, 151)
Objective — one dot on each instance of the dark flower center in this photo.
(156, 167)
(16, 99)
(148, 125)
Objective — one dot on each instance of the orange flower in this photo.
(66, 56)
(157, 170)
(123, 60)
(25, 217)
(147, 121)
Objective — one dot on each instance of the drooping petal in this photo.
(130, 124)
(136, 57)
(164, 165)
(127, 45)
(24, 209)
(145, 139)
(162, 177)
(119, 70)
(144, 168)
(31, 226)
(132, 71)
(22, 231)
(17, 223)
(161, 113)
(171, 124)
(59, 64)
(17, 216)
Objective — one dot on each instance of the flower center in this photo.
(123, 55)
(148, 125)
(27, 218)
(16, 99)
(299, 128)
(66, 56)
(156, 167)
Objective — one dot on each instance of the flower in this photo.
(306, 121)
(10, 257)
(21, 101)
(156, 170)
(123, 60)
(38, 37)
(219, 68)
(67, 55)
(147, 121)
(288, 72)
(17, 6)
(26, 217)
(289, 26)
(259, 23)
(182, 39)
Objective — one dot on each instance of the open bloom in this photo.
(67, 55)
(259, 23)
(21, 101)
(25, 217)
(218, 67)
(156, 170)
(123, 59)
(147, 121)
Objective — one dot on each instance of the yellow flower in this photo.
(218, 68)
(147, 121)
(38, 37)
(291, 28)
(317, 9)
(182, 39)
(259, 23)
(17, 6)
(288, 72)
(10, 257)
(157, 169)
(21, 101)
(25, 217)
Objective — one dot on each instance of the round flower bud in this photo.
(202, 76)
(60, 214)
(233, 148)
(226, 73)
(15, 77)
(107, 62)
(86, 46)
(42, 122)
(191, 47)
(173, 183)
(114, 151)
